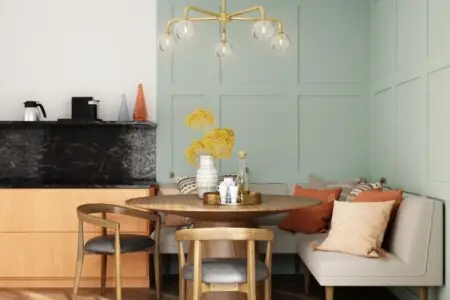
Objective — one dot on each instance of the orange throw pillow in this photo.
(382, 196)
(313, 219)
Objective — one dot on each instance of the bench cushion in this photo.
(285, 241)
(333, 264)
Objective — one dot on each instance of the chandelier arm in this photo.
(261, 9)
(203, 19)
(245, 19)
(200, 10)
(170, 23)
(278, 23)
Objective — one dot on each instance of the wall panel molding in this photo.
(256, 91)
(420, 95)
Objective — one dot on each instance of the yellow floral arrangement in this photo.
(217, 142)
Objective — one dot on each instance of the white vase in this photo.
(207, 176)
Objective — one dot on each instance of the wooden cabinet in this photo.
(38, 233)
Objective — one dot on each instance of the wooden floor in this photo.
(285, 287)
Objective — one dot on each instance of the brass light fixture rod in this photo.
(223, 17)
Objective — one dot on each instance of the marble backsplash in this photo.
(66, 154)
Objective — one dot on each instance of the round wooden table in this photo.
(221, 216)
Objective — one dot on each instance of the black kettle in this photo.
(32, 113)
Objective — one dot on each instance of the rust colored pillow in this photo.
(313, 219)
(382, 196)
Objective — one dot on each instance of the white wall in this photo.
(410, 100)
(51, 50)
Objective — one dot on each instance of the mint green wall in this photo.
(410, 101)
(302, 111)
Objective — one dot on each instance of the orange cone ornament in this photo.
(140, 108)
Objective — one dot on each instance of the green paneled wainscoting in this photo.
(305, 110)
(410, 103)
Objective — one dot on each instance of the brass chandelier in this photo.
(263, 28)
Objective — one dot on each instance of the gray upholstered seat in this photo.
(225, 271)
(128, 243)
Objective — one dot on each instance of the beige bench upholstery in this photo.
(415, 255)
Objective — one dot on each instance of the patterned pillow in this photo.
(363, 186)
(188, 185)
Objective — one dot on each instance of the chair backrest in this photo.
(417, 236)
(85, 212)
(225, 233)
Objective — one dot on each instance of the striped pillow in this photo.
(363, 186)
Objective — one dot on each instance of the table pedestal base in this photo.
(223, 249)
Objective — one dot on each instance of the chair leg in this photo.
(182, 288)
(329, 292)
(103, 274)
(251, 285)
(267, 289)
(423, 293)
(307, 278)
(118, 276)
(79, 268)
(157, 272)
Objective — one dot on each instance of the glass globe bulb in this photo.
(263, 30)
(281, 42)
(165, 42)
(224, 49)
(184, 30)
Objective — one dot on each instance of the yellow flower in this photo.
(194, 150)
(219, 142)
(200, 118)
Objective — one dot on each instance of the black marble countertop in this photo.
(77, 154)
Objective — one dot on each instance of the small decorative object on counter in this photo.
(216, 143)
(140, 108)
(242, 178)
(124, 114)
(31, 111)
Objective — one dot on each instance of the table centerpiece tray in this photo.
(213, 198)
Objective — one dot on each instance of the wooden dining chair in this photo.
(115, 243)
(225, 274)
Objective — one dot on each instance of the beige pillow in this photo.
(357, 228)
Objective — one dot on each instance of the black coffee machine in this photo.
(85, 108)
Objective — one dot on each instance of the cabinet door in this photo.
(53, 255)
(54, 210)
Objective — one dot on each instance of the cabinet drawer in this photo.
(53, 255)
(54, 210)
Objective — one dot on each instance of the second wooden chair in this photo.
(233, 274)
